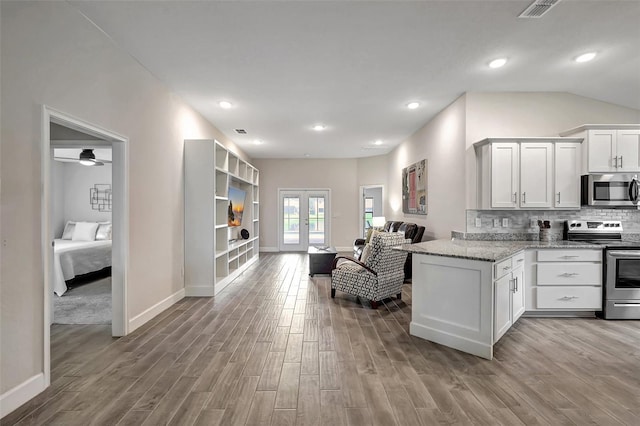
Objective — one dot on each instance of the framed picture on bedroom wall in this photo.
(414, 188)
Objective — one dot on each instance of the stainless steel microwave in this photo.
(615, 189)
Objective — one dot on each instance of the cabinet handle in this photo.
(515, 197)
(520, 260)
(569, 297)
(570, 274)
(524, 197)
(506, 268)
(569, 256)
(621, 161)
(516, 279)
(615, 162)
(558, 198)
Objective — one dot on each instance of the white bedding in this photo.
(73, 258)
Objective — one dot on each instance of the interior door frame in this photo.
(307, 192)
(120, 220)
(363, 188)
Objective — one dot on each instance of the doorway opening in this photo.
(91, 210)
(371, 205)
(304, 217)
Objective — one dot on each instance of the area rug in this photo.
(86, 304)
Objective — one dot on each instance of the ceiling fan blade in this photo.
(75, 160)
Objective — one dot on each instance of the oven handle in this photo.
(625, 253)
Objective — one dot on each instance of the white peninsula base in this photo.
(453, 303)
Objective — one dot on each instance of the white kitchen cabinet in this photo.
(504, 175)
(609, 148)
(536, 175)
(567, 175)
(523, 173)
(509, 294)
(563, 280)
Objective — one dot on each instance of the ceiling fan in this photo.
(86, 158)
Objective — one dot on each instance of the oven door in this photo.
(623, 275)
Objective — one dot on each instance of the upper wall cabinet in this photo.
(529, 173)
(609, 148)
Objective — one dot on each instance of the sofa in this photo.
(410, 231)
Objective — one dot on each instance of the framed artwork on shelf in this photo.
(414, 188)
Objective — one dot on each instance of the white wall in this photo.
(50, 54)
(340, 176)
(57, 197)
(442, 143)
(78, 179)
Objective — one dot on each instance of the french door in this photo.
(304, 216)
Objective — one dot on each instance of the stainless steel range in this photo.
(621, 268)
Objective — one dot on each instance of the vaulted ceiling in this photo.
(353, 66)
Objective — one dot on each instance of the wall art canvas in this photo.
(414, 188)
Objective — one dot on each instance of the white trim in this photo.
(264, 249)
(120, 219)
(158, 308)
(18, 395)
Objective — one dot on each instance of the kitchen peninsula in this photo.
(467, 294)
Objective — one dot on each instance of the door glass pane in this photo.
(316, 221)
(291, 218)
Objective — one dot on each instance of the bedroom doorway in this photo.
(371, 205)
(95, 204)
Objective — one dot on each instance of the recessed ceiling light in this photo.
(413, 105)
(225, 104)
(586, 57)
(319, 127)
(258, 142)
(497, 63)
(307, 155)
(378, 142)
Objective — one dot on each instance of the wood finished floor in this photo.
(274, 349)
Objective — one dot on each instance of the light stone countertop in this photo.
(489, 251)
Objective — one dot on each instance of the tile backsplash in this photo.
(519, 221)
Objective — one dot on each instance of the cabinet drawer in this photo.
(517, 260)
(569, 297)
(552, 255)
(503, 267)
(569, 274)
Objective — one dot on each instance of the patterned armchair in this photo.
(379, 276)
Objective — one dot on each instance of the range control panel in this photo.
(593, 226)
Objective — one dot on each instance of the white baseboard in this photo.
(269, 249)
(156, 309)
(14, 398)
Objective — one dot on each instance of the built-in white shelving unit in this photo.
(215, 254)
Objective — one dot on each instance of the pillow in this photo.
(68, 230)
(104, 231)
(370, 233)
(85, 231)
(366, 252)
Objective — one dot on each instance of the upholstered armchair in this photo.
(378, 276)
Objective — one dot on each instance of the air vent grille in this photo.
(538, 8)
(241, 131)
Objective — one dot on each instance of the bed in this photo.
(74, 258)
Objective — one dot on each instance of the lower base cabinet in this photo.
(509, 294)
(563, 281)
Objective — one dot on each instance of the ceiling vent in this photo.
(241, 131)
(538, 8)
